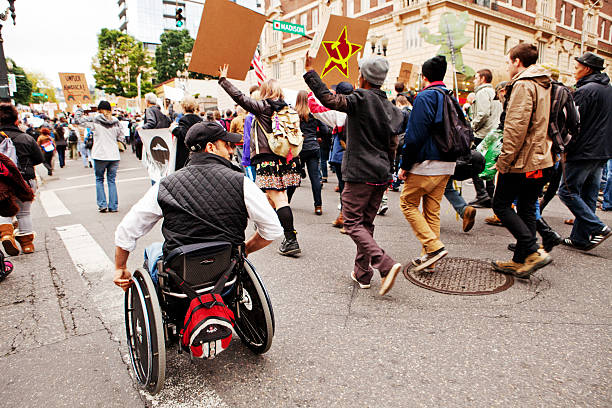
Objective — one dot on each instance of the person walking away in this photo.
(406, 107)
(525, 162)
(60, 145)
(73, 141)
(274, 174)
(249, 171)
(237, 126)
(423, 170)
(337, 121)
(48, 147)
(310, 149)
(189, 119)
(588, 152)
(154, 118)
(105, 154)
(486, 113)
(29, 155)
(366, 165)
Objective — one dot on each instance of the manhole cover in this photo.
(462, 276)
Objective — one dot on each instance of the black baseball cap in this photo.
(200, 134)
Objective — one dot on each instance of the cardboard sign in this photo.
(408, 75)
(158, 152)
(341, 45)
(238, 27)
(76, 91)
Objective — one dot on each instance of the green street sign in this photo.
(288, 27)
(37, 94)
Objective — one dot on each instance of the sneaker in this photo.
(361, 285)
(339, 222)
(533, 262)
(428, 259)
(343, 231)
(480, 202)
(290, 247)
(600, 237)
(323, 179)
(493, 220)
(383, 209)
(389, 280)
(507, 267)
(102, 210)
(469, 216)
(568, 242)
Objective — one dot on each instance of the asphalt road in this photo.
(543, 342)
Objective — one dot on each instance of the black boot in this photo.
(550, 238)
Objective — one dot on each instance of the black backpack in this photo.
(564, 117)
(455, 137)
(72, 137)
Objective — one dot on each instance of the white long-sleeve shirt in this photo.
(143, 216)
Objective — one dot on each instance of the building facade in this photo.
(560, 28)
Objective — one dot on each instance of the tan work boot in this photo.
(27, 247)
(493, 220)
(533, 262)
(8, 239)
(508, 267)
(339, 221)
(469, 216)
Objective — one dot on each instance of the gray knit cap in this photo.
(374, 69)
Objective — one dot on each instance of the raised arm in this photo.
(249, 104)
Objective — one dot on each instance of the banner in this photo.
(75, 89)
(341, 44)
(158, 152)
(240, 29)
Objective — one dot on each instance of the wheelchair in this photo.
(154, 315)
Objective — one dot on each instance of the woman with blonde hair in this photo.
(310, 155)
(274, 174)
(189, 119)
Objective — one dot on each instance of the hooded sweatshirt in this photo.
(105, 134)
(526, 145)
(594, 99)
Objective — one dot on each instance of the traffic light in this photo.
(180, 20)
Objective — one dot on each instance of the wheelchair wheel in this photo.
(254, 314)
(144, 330)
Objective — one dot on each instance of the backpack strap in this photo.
(191, 293)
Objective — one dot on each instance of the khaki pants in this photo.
(426, 225)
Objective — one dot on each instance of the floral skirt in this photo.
(277, 175)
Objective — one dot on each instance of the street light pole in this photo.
(5, 94)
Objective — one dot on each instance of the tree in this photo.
(41, 84)
(119, 60)
(170, 54)
(24, 85)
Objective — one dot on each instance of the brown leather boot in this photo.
(27, 247)
(339, 221)
(8, 239)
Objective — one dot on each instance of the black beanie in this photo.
(434, 68)
(104, 105)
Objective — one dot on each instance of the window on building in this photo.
(350, 8)
(541, 50)
(412, 38)
(562, 16)
(365, 5)
(315, 18)
(506, 44)
(588, 27)
(610, 33)
(294, 68)
(573, 22)
(559, 59)
(336, 8)
(276, 70)
(304, 20)
(603, 29)
(544, 7)
(480, 36)
(523, 4)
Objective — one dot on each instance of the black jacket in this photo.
(310, 132)
(28, 151)
(203, 202)
(155, 119)
(371, 127)
(594, 100)
(182, 153)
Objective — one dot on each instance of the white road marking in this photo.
(94, 184)
(52, 204)
(97, 271)
(93, 175)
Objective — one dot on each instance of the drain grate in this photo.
(461, 276)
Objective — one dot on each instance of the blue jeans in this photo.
(579, 192)
(607, 194)
(311, 160)
(454, 197)
(110, 167)
(324, 156)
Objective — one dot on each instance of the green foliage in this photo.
(119, 60)
(24, 85)
(451, 37)
(41, 84)
(170, 54)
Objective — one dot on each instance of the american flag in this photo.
(258, 67)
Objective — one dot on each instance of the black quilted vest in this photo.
(202, 202)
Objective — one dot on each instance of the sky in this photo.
(54, 36)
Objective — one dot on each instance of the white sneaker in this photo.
(361, 285)
(389, 280)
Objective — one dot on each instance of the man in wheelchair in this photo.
(200, 280)
(208, 200)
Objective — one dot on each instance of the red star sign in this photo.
(339, 52)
